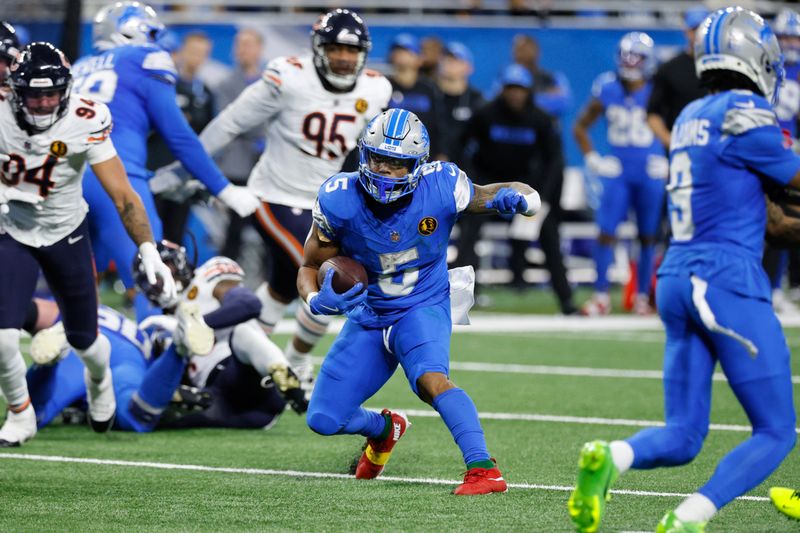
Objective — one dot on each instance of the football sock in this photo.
(162, 378)
(696, 508)
(622, 455)
(603, 257)
(96, 358)
(645, 269)
(299, 361)
(461, 417)
(12, 368)
(251, 346)
(388, 428)
(481, 464)
(271, 309)
(310, 327)
(368, 423)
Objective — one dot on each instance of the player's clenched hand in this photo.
(329, 302)
(155, 268)
(240, 199)
(507, 201)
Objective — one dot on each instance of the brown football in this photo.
(347, 272)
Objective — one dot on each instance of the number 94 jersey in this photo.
(51, 165)
(722, 147)
(404, 251)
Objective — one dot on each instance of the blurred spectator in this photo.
(675, 83)
(410, 91)
(552, 90)
(241, 155)
(460, 99)
(431, 52)
(197, 104)
(512, 139)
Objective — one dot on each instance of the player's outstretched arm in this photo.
(783, 224)
(316, 251)
(504, 198)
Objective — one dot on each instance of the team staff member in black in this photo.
(511, 139)
(460, 99)
(675, 83)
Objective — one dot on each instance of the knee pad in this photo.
(310, 327)
(323, 424)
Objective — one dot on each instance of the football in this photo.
(348, 272)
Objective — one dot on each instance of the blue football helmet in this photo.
(399, 138)
(340, 26)
(39, 70)
(636, 56)
(786, 26)
(125, 22)
(739, 40)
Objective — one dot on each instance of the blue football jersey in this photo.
(405, 254)
(120, 329)
(628, 134)
(788, 105)
(722, 147)
(137, 82)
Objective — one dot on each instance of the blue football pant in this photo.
(762, 384)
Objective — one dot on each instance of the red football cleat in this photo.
(377, 452)
(482, 481)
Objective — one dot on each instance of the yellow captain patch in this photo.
(192, 293)
(427, 226)
(58, 148)
(361, 105)
(375, 457)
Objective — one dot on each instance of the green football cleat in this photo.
(597, 472)
(671, 524)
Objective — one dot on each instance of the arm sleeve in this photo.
(255, 106)
(323, 222)
(238, 305)
(463, 191)
(182, 141)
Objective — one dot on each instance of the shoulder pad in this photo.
(218, 269)
(338, 195)
(94, 118)
(747, 111)
(158, 64)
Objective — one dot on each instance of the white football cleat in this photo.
(192, 336)
(598, 305)
(102, 403)
(641, 305)
(18, 427)
(49, 345)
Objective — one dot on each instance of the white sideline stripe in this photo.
(548, 370)
(318, 475)
(534, 417)
(508, 323)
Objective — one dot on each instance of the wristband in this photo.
(310, 297)
(534, 202)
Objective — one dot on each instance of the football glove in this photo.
(329, 302)
(507, 201)
(604, 166)
(12, 194)
(239, 199)
(155, 268)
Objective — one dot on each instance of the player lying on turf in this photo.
(394, 216)
(713, 295)
(240, 383)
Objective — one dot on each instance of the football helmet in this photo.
(340, 26)
(397, 137)
(40, 70)
(9, 42)
(786, 26)
(172, 255)
(125, 22)
(738, 40)
(636, 57)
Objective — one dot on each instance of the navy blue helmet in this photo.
(340, 26)
(40, 70)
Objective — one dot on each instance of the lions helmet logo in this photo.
(361, 105)
(58, 148)
(427, 226)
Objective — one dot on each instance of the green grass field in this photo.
(289, 490)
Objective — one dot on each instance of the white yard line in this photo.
(536, 417)
(317, 475)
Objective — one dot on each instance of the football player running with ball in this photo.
(314, 108)
(713, 295)
(47, 135)
(394, 216)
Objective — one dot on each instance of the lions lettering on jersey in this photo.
(310, 130)
(722, 145)
(51, 164)
(405, 255)
(114, 323)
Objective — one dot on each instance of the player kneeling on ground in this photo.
(394, 216)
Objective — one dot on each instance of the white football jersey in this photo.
(309, 130)
(201, 291)
(51, 165)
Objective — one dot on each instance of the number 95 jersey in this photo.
(405, 250)
(51, 164)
